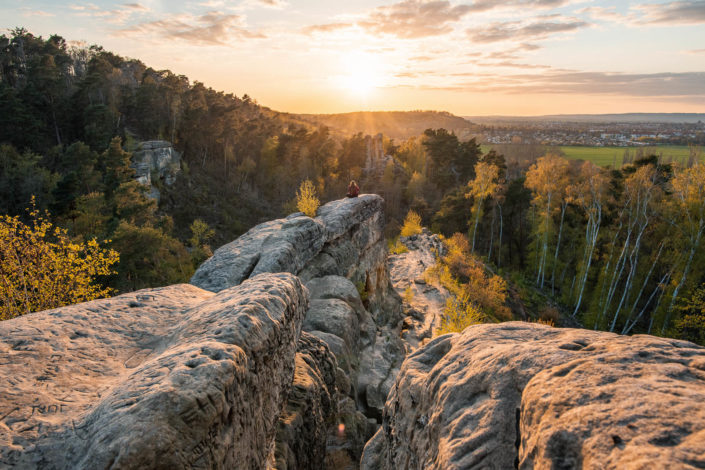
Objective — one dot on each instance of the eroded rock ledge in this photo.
(519, 395)
(175, 377)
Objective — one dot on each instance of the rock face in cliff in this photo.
(158, 157)
(311, 407)
(341, 255)
(519, 395)
(345, 239)
(175, 377)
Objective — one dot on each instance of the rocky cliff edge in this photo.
(520, 395)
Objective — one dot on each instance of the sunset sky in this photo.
(481, 57)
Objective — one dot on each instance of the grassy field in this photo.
(605, 156)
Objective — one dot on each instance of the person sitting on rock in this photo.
(353, 189)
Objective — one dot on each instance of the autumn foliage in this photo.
(306, 199)
(41, 268)
(477, 296)
(412, 224)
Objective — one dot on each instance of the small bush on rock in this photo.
(412, 224)
(306, 200)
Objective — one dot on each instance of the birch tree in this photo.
(547, 179)
(589, 193)
(688, 197)
(482, 187)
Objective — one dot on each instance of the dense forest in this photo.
(618, 249)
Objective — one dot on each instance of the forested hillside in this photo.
(618, 249)
(394, 124)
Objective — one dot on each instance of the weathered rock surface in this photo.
(343, 240)
(338, 317)
(158, 157)
(282, 245)
(422, 309)
(530, 396)
(175, 377)
(311, 408)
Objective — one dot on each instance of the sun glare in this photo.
(361, 73)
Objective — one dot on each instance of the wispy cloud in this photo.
(326, 28)
(272, 3)
(412, 19)
(682, 12)
(520, 31)
(212, 28)
(686, 84)
(115, 16)
(689, 12)
(39, 13)
(486, 5)
(135, 6)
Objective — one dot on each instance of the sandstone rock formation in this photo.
(344, 240)
(423, 302)
(520, 395)
(175, 377)
(311, 407)
(341, 255)
(158, 157)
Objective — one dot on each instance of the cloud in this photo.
(272, 3)
(652, 14)
(695, 51)
(604, 14)
(517, 31)
(681, 12)
(135, 6)
(666, 84)
(325, 28)
(212, 28)
(114, 16)
(486, 5)
(84, 6)
(516, 65)
(411, 19)
(41, 13)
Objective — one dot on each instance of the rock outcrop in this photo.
(175, 377)
(519, 395)
(341, 255)
(156, 157)
(345, 239)
(310, 410)
(423, 302)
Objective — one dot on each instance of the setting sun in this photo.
(362, 73)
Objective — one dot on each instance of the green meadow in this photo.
(604, 156)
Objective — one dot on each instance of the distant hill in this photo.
(394, 124)
(626, 117)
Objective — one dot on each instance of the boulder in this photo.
(175, 377)
(520, 395)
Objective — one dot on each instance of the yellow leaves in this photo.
(689, 186)
(40, 268)
(476, 293)
(412, 224)
(485, 182)
(306, 200)
(548, 176)
(458, 314)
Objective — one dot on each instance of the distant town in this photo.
(595, 134)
